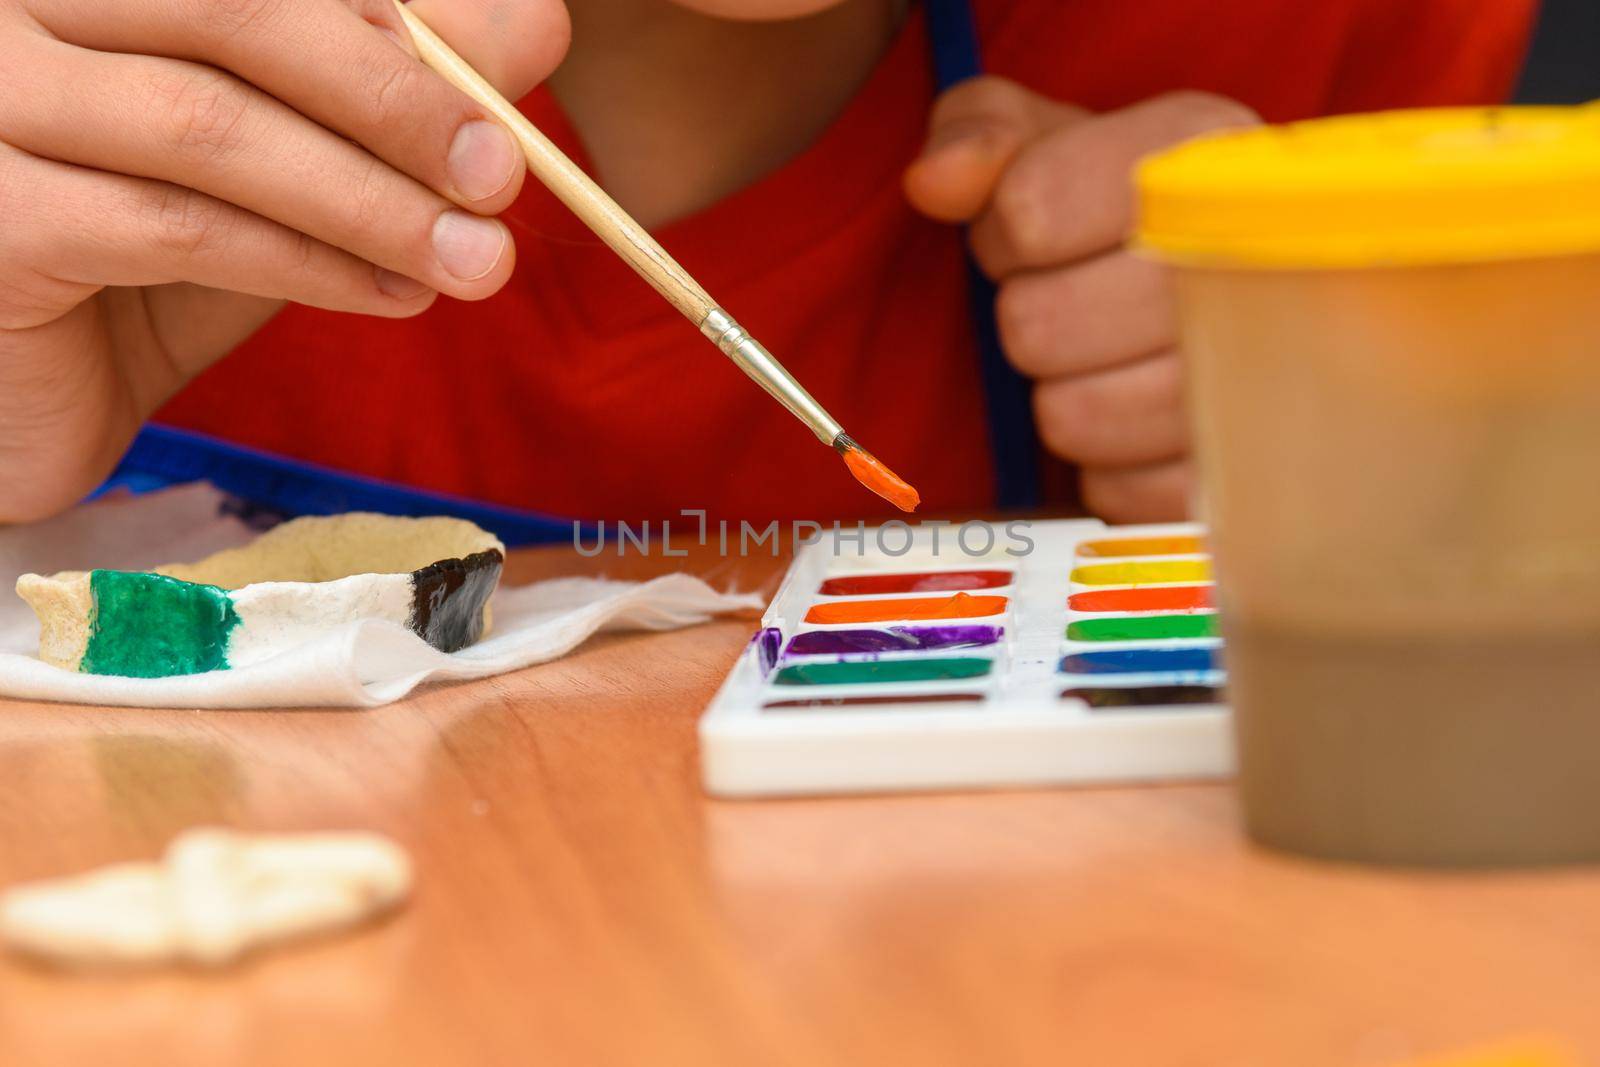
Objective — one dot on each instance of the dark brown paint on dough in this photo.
(448, 597)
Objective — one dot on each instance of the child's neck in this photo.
(678, 110)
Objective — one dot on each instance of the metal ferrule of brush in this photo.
(761, 365)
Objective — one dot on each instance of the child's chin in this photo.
(758, 10)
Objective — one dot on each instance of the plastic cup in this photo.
(1392, 332)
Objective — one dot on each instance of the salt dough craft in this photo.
(215, 895)
(291, 584)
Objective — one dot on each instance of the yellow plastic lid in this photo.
(1398, 188)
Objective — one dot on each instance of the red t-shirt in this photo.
(577, 391)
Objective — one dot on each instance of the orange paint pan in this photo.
(1123, 547)
(896, 609)
(1158, 598)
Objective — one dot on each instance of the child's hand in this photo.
(1048, 192)
(171, 171)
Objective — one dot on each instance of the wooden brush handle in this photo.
(564, 178)
(626, 237)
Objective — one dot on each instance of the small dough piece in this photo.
(214, 896)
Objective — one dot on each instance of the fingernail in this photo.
(482, 159)
(468, 246)
(398, 286)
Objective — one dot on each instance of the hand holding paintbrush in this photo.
(630, 241)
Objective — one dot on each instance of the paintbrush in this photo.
(641, 252)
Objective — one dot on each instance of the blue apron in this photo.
(162, 455)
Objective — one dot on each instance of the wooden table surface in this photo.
(580, 901)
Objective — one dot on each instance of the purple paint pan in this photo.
(891, 639)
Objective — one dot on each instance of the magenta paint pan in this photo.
(915, 582)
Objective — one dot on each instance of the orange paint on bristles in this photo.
(871, 472)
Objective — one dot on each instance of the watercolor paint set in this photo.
(1067, 652)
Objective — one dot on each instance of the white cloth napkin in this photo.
(360, 664)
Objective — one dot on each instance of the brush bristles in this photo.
(870, 472)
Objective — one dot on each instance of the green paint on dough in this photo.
(885, 670)
(152, 626)
(1143, 628)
